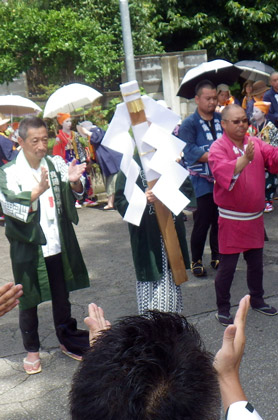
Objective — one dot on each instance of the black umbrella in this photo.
(217, 71)
(254, 70)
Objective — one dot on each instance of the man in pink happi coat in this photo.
(238, 165)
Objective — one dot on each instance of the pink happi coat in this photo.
(245, 194)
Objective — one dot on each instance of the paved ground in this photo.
(103, 237)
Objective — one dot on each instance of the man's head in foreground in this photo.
(146, 368)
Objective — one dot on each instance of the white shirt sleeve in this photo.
(242, 410)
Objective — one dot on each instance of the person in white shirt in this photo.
(37, 194)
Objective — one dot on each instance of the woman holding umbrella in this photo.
(108, 160)
(69, 147)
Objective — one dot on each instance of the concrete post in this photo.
(127, 40)
(170, 82)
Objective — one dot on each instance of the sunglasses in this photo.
(236, 122)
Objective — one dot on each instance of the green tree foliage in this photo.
(58, 41)
(55, 46)
(227, 29)
(61, 41)
(107, 13)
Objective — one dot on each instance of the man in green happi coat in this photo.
(38, 193)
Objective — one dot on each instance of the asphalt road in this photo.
(104, 241)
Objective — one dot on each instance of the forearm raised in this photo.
(241, 163)
(231, 390)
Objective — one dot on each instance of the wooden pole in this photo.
(163, 214)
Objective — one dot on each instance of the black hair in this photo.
(152, 367)
(202, 85)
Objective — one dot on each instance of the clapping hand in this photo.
(75, 171)
(9, 294)
(96, 322)
(228, 358)
(250, 150)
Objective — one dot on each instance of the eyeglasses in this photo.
(237, 122)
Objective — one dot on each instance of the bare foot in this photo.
(32, 363)
(96, 322)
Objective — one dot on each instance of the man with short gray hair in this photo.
(37, 195)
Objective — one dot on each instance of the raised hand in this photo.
(9, 294)
(228, 358)
(96, 322)
(250, 150)
(75, 171)
(44, 182)
(42, 186)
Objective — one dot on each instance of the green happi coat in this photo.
(145, 239)
(25, 234)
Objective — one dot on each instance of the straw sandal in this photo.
(198, 269)
(32, 371)
(214, 264)
(69, 353)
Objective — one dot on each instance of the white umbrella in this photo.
(17, 106)
(217, 71)
(69, 98)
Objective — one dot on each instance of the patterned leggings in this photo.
(163, 295)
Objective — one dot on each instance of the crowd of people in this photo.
(230, 152)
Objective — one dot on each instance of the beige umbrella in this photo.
(18, 106)
(69, 98)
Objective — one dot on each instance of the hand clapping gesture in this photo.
(228, 358)
(250, 150)
(95, 322)
(9, 294)
(75, 171)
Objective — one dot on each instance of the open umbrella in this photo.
(217, 71)
(69, 98)
(254, 70)
(17, 106)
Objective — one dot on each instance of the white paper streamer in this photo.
(158, 150)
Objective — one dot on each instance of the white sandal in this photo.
(33, 371)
